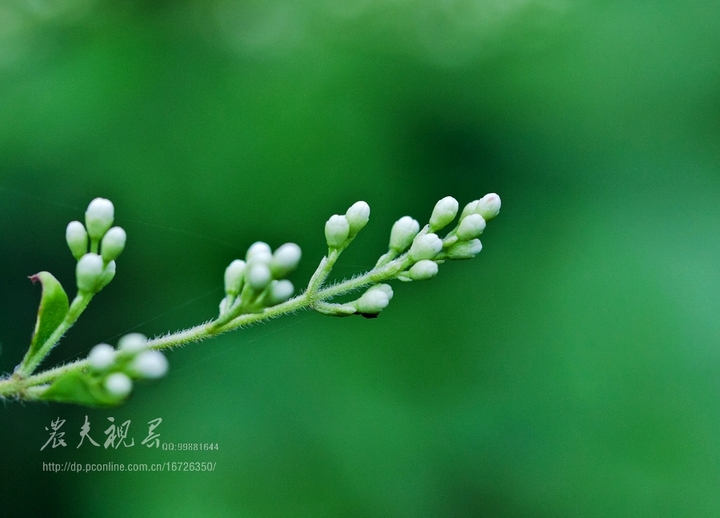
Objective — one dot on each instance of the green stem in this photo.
(28, 387)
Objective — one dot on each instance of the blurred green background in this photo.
(571, 369)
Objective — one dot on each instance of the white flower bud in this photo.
(260, 250)
(464, 249)
(280, 291)
(107, 276)
(234, 277)
(77, 239)
(285, 259)
(99, 217)
(373, 301)
(132, 343)
(489, 206)
(444, 212)
(423, 270)
(425, 247)
(357, 216)
(150, 364)
(470, 208)
(89, 272)
(101, 357)
(258, 275)
(471, 227)
(402, 234)
(118, 384)
(113, 243)
(385, 288)
(337, 230)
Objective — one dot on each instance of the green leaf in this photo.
(52, 311)
(80, 388)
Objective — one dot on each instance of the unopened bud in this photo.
(337, 230)
(107, 275)
(373, 301)
(113, 243)
(132, 343)
(260, 250)
(423, 270)
(89, 272)
(489, 206)
(150, 364)
(77, 239)
(285, 260)
(258, 275)
(444, 212)
(402, 234)
(280, 291)
(471, 227)
(464, 249)
(101, 357)
(385, 288)
(425, 247)
(234, 277)
(357, 216)
(99, 217)
(470, 208)
(118, 384)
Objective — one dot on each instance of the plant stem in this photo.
(20, 384)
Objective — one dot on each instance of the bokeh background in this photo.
(571, 369)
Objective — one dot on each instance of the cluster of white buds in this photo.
(258, 281)
(115, 369)
(424, 249)
(95, 245)
(341, 230)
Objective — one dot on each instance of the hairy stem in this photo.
(20, 385)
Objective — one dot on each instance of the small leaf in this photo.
(52, 311)
(80, 388)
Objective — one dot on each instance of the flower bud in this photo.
(470, 208)
(113, 243)
(423, 270)
(118, 384)
(357, 216)
(385, 288)
(101, 357)
(402, 234)
(425, 247)
(373, 301)
(107, 275)
(150, 364)
(471, 227)
(464, 249)
(280, 291)
(99, 217)
(89, 272)
(444, 212)
(489, 206)
(337, 230)
(77, 239)
(285, 259)
(258, 275)
(260, 250)
(132, 343)
(234, 277)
